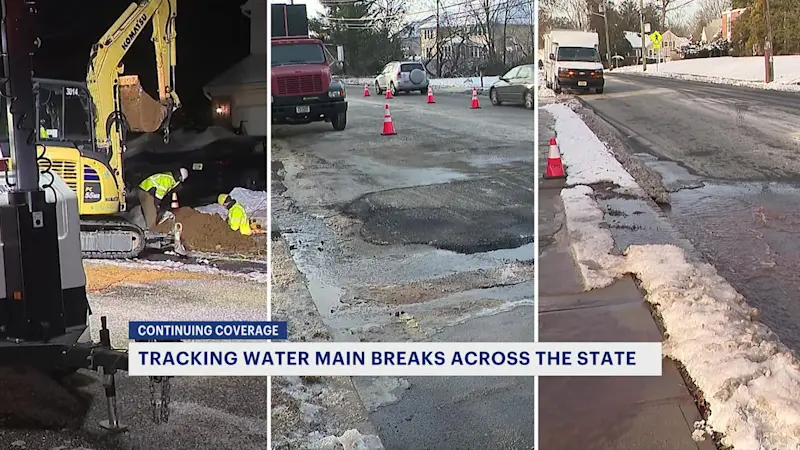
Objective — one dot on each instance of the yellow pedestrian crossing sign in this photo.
(656, 39)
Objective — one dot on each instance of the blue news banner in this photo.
(256, 349)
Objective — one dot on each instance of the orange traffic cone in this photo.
(554, 167)
(174, 205)
(366, 90)
(474, 104)
(388, 126)
(430, 95)
(388, 93)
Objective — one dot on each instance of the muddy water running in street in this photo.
(751, 233)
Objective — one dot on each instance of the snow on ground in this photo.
(750, 380)
(736, 71)
(586, 158)
(254, 202)
(447, 84)
(591, 245)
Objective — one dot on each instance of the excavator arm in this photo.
(120, 103)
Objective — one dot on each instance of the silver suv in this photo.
(402, 76)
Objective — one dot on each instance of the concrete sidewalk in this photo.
(614, 413)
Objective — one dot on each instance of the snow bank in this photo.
(587, 159)
(746, 71)
(254, 202)
(750, 380)
(591, 245)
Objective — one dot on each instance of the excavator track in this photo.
(111, 238)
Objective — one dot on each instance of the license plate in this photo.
(197, 166)
(303, 109)
(581, 83)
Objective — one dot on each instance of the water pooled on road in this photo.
(751, 233)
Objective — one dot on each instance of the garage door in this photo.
(254, 117)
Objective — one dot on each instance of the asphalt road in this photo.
(729, 157)
(426, 235)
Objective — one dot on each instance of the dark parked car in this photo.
(515, 86)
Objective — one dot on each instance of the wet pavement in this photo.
(608, 413)
(426, 235)
(728, 156)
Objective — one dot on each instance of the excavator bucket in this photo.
(144, 113)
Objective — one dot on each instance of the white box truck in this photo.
(573, 61)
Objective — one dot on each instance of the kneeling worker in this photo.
(153, 190)
(237, 216)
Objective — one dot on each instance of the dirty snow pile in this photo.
(591, 245)
(586, 158)
(254, 202)
(750, 380)
(734, 71)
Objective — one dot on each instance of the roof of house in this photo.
(635, 39)
(713, 29)
(252, 69)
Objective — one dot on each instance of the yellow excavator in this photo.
(83, 127)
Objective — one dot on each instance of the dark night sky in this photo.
(212, 36)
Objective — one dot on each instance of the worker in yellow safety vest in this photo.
(153, 190)
(237, 216)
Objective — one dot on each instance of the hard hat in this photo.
(184, 174)
(222, 199)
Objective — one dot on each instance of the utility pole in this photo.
(605, 21)
(768, 59)
(644, 43)
(438, 47)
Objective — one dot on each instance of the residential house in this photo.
(635, 40)
(672, 43)
(464, 47)
(410, 39)
(711, 32)
(727, 19)
(239, 95)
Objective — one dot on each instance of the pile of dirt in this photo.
(210, 233)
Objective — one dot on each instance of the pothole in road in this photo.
(473, 216)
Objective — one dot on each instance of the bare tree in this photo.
(710, 10)
(679, 23)
(575, 13)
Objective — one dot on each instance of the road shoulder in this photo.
(311, 412)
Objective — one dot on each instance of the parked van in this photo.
(573, 61)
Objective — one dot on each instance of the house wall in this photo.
(258, 27)
(249, 105)
(728, 18)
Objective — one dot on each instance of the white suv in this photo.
(402, 76)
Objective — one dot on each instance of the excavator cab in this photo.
(66, 129)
